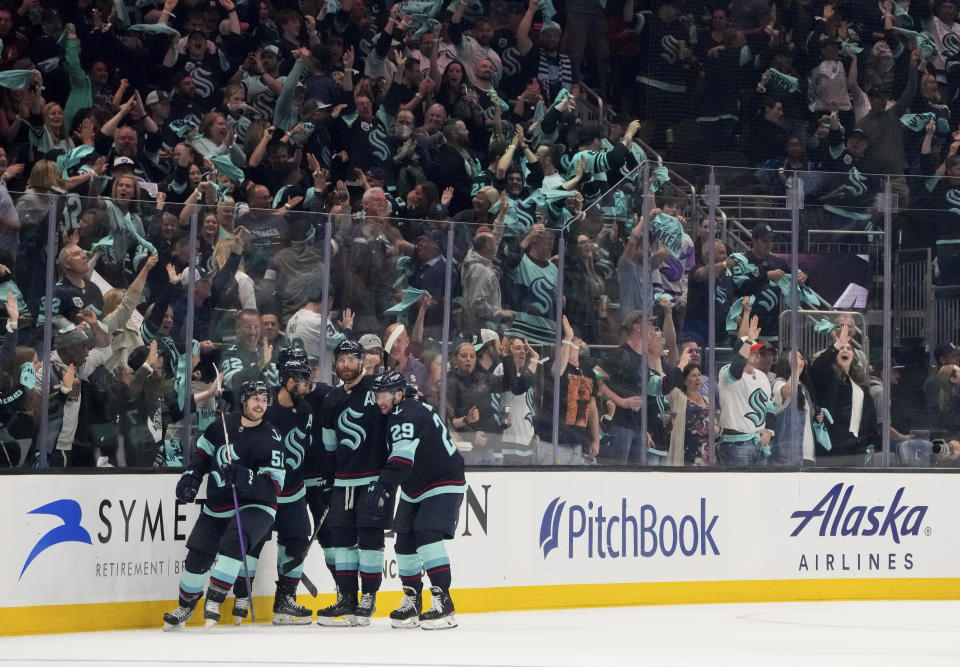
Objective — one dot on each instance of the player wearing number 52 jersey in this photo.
(426, 466)
(249, 461)
(293, 418)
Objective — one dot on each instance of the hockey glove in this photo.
(379, 501)
(188, 485)
(240, 476)
(318, 500)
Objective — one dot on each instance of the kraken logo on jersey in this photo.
(541, 295)
(378, 141)
(225, 457)
(757, 401)
(670, 46)
(951, 44)
(510, 58)
(767, 299)
(857, 184)
(354, 434)
(953, 198)
(202, 79)
(295, 444)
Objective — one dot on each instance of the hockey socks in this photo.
(242, 587)
(410, 569)
(330, 558)
(191, 587)
(371, 570)
(437, 564)
(292, 578)
(224, 572)
(347, 565)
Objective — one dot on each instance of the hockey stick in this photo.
(296, 562)
(236, 510)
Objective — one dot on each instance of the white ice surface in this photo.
(874, 634)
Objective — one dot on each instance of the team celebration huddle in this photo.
(341, 456)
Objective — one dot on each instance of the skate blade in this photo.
(209, 623)
(337, 621)
(172, 627)
(440, 623)
(288, 619)
(237, 620)
(361, 621)
(406, 624)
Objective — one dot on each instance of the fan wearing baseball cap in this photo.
(762, 283)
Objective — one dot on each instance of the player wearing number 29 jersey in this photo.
(422, 454)
(427, 467)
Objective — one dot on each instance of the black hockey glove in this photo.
(318, 500)
(188, 485)
(240, 476)
(379, 501)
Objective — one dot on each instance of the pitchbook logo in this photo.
(622, 534)
(69, 512)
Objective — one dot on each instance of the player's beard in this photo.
(349, 375)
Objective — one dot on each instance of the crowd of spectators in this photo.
(397, 166)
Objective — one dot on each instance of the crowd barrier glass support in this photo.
(47, 385)
(446, 333)
(711, 366)
(647, 306)
(887, 286)
(558, 300)
(797, 425)
(187, 377)
(323, 363)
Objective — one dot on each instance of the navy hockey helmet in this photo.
(294, 352)
(390, 381)
(293, 363)
(252, 388)
(350, 347)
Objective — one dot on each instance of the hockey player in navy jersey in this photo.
(250, 461)
(293, 418)
(356, 450)
(426, 466)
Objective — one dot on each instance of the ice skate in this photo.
(211, 608)
(441, 615)
(176, 619)
(286, 610)
(241, 608)
(366, 608)
(407, 615)
(340, 614)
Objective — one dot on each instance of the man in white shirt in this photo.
(745, 406)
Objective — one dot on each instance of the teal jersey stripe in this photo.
(229, 513)
(205, 446)
(436, 491)
(406, 449)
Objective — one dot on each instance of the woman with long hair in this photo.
(433, 360)
(517, 411)
(453, 94)
(470, 406)
(216, 137)
(33, 208)
(48, 130)
(690, 437)
(787, 447)
(840, 386)
(583, 287)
